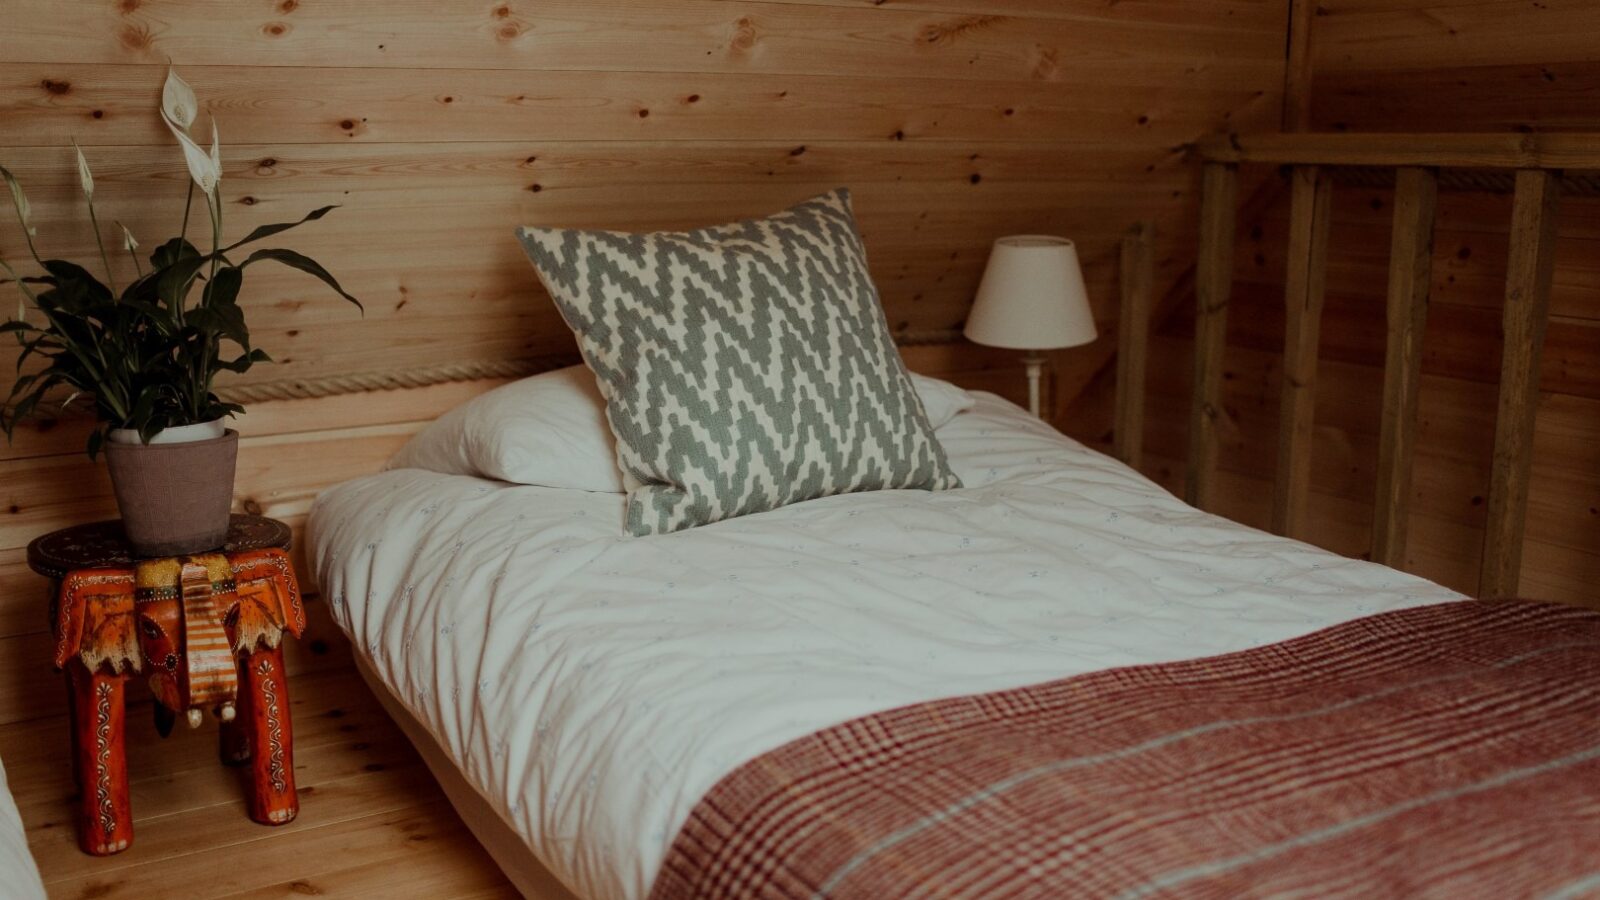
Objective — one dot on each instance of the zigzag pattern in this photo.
(745, 366)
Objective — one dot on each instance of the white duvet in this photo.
(594, 686)
(19, 877)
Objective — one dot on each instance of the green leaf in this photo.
(270, 230)
(172, 251)
(305, 264)
(225, 321)
(245, 360)
(76, 292)
(223, 290)
(175, 279)
(97, 438)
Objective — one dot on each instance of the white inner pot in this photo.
(178, 434)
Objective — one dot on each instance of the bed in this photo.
(19, 876)
(582, 691)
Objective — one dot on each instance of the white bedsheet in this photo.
(594, 686)
(19, 876)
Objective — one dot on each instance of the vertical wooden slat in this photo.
(1529, 268)
(1410, 274)
(1213, 281)
(1298, 66)
(1133, 342)
(1309, 214)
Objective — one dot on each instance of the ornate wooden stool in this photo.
(199, 628)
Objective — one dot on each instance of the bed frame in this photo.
(1530, 166)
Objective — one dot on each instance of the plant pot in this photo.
(176, 434)
(174, 497)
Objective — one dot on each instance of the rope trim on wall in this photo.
(424, 376)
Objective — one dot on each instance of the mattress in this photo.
(591, 687)
(19, 877)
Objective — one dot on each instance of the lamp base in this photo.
(1035, 366)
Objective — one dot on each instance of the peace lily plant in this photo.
(147, 355)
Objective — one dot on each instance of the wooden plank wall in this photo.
(1409, 65)
(441, 126)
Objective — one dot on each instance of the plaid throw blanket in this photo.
(1447, 751)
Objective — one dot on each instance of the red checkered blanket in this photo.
(1448, 751)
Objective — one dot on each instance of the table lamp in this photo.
(1032, 298)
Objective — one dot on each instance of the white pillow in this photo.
(551, 430)
(941, 400)
(547, 430)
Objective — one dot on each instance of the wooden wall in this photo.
(1407, 65)
(441, 126)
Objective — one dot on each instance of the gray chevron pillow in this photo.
(744, 366)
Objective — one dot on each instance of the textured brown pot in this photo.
(174, 498)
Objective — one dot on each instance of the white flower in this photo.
(22, 297)
(202, 166)
(20, 200)
(178, 105)
(85, 177)
(216, 149)
(128, 243)
(178, 109)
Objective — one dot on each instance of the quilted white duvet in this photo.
(593, 686)
(19, 877)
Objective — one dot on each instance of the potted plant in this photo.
(147, 355)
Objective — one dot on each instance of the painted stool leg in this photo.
(235, 736)
(272, 798)
(105, 814)
(72, 726)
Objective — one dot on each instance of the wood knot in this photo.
(248, 200)
(275, 29)
(135, 37)
(744, 34)
(57, 88)
(510, 31)
(252, 507)
(128, 7)
(938, 34)
(288, 6)
(1048, 64)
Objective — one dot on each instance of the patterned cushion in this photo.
(744, 366)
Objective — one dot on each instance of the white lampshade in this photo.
(1032, 296)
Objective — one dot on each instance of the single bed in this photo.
(591, 688)
(19, 876)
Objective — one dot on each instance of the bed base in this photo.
(504, 845)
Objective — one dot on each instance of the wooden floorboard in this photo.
(373, 823)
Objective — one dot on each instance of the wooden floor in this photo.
(373, 823)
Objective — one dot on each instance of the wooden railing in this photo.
(1530, 165)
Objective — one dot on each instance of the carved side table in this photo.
(204, 630)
